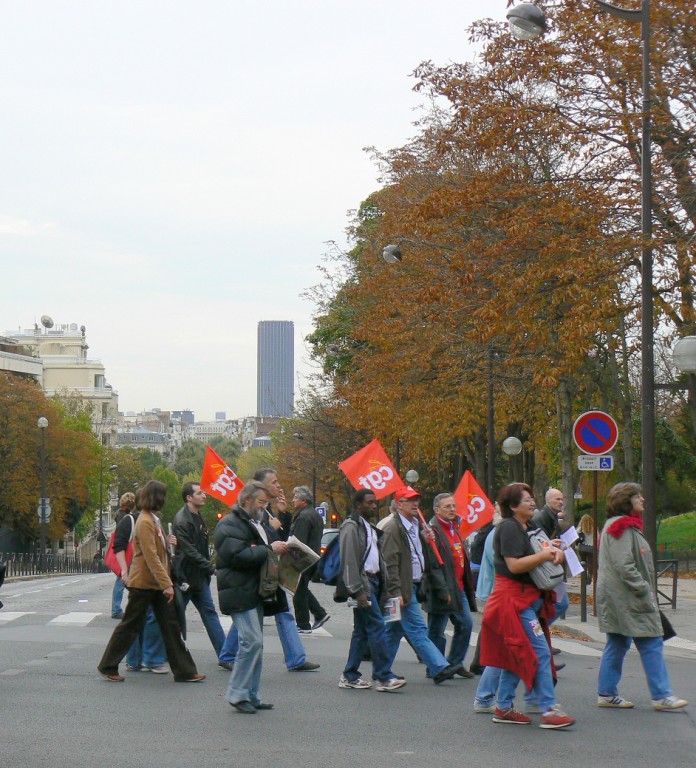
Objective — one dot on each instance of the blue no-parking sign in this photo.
(595, 432)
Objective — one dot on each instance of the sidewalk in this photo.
(683, 618)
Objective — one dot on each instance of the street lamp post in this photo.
(42, 425)
(684, 356)
(101, 537)
(527, 22)
(512, 446)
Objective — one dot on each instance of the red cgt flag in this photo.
(218, 480)
(473, 506)
(370, 468)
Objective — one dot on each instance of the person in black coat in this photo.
(308, 527)
(459, 599)
(242, 544)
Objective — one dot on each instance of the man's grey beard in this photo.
(258, 514)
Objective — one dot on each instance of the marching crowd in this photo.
(393, 571)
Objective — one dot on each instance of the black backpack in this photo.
(476, 553)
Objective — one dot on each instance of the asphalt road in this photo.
(56, 710)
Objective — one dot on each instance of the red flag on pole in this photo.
(370, 468)
(473, 506)
(218, 480)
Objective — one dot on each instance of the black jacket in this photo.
(240, 554)
(545, 519)
(308, 527)
(434, 602)
(191, 561)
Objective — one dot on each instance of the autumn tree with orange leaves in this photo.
(516, 211)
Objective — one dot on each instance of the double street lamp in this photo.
(42, 424)
(101, 538)
(527, 21)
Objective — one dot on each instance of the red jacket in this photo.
(504, 643)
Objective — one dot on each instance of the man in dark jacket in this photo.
(192, 561)
(546, 518)
(457, 574)
(308, 527)
(242, 546)
(364, 575)
(407, 554)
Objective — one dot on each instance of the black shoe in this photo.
(245, 707)
(262, 705)
(464, 672)
(117, 615)
(445, 674)
(308, 666)
(560, 666)
(477, 669)
(320, 622)
(555, 651)
(228, 665)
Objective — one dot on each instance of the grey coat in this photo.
(626, 603)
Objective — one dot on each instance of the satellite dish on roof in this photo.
(46, 321)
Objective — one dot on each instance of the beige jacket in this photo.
(150, 566)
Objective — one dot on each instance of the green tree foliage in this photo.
(174, 501)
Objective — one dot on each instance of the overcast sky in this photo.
(172, 170)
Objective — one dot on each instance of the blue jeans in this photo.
(117, 597)
(245, 678)
(148, 647)
(488, 688)
(462, 623)
(561, 605)
(651, 655)
(543, 680)
(293, 650)
(369, 632)
(413, 626)
(203, 600)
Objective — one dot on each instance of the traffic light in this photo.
(334, 520)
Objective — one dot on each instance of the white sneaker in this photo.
(359, 684)
(481, 707)
(669, 702)
(616, 702)
(532, 708)
(163, 669)
(390, 685)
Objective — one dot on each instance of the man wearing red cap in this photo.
(408, 557)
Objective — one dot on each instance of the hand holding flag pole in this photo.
(430, 536)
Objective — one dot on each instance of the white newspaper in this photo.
(568, 538)
(294, 563)
(392, 609)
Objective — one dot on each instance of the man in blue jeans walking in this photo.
(293, 650)
(192, 563)
(408, 563)
(363, 574)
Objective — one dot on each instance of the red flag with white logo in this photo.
(370, 468)
(218, 480)
(473, 506)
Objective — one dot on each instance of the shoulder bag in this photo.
(110, 560)
(547, 575)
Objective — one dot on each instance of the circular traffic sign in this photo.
(595, 432)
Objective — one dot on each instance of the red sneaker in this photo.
(510, 716)
(556, 718)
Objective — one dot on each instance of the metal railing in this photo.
(23, 564)
(665, 569)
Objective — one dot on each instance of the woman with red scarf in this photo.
(626, 602)
(515, 627)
